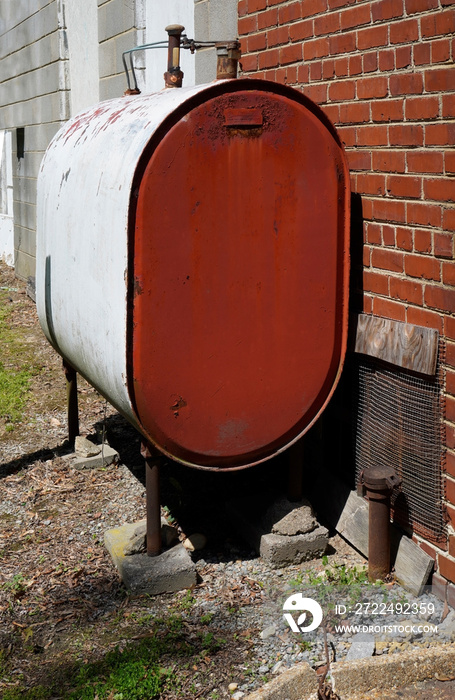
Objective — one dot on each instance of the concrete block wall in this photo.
(214, 20)
(33, 96)
(121, 26)
(382, 70)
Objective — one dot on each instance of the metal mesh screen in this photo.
(399, 424)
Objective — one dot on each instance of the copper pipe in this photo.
(152, 492)
(174, 76)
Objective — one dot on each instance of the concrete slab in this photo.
(106, 456)
(297, 683)
(284, 550)
(171, 571)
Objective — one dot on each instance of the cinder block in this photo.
(284, 550)
(296, 683)
(171, 571)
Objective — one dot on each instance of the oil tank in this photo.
(192, 264)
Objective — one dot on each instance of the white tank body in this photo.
(84, 192)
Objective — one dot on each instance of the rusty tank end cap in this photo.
(380, 476)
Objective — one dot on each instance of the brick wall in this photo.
(382, 70)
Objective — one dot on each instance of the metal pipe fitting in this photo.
(379, 483)
(174, 76)
(227, 58)
(152, 493)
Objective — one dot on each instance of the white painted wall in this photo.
(81, 19)
(158, 15)
(6, 199)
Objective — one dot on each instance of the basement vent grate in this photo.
(399, 423)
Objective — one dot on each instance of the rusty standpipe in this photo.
(152, 494)
(227, 59)
(173, 76)
(379, 483)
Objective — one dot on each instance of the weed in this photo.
(17, 585)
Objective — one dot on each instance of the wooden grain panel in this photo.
(403, 344)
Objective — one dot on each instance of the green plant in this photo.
(17, 585)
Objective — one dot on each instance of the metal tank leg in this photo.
(71, 402)
(295, 475)
(152, 489)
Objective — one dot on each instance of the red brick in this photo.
(291, 54)
(328, 69)
(249, 63)
(439, 134)
(391, 260)
(389, 309)
(450, 329)
(387, 9)
(404, 186)
(421, 52)
(425, 161)
(387, 110)
(404, 238)
(333, 4)
(423, 317)
(389, 161)
(269, 18)
(406, 84)
(256, 42)
(371, 183)
(372, 86)
(256, 5)
(276, 36)
(423, 267)
(440, 51)
(342, 43)
(440, 298)
(451, 546)
(269, 58)
(242, 8)
(301, 30)
(406, 135)
(355, 17)
(405, 31)
(450, 358)
(428, 549)
(403, 57)
(315, 48)
(448, 105)
(341, 67)
(449, 162)
(372, 136)
(439, 586)
(388, 235)
(286, 75)
(247, 25)
(327, 24)
(354, 112)
(355, 65)
(303, 73)
(348, 135)
(450, 456)
(423, 214)
(422, 241)
(342, 90)
(407, 291)
(316, 92)
(440, 79)
(312, 7)
(373, 233)
(289, 13)
(448, 273)
(359, 160)
(389, 210)
(438, 23)
(366, 304)
(372, 37)
(375, 283)
(333, 113)
(448, 219)
(386, 60)
(443, 245)
(440, 189)
(315, 71)
(413, 6)
(446, 567)
(366, 256)
(370, 62)
(450, 409)
(419, 108)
